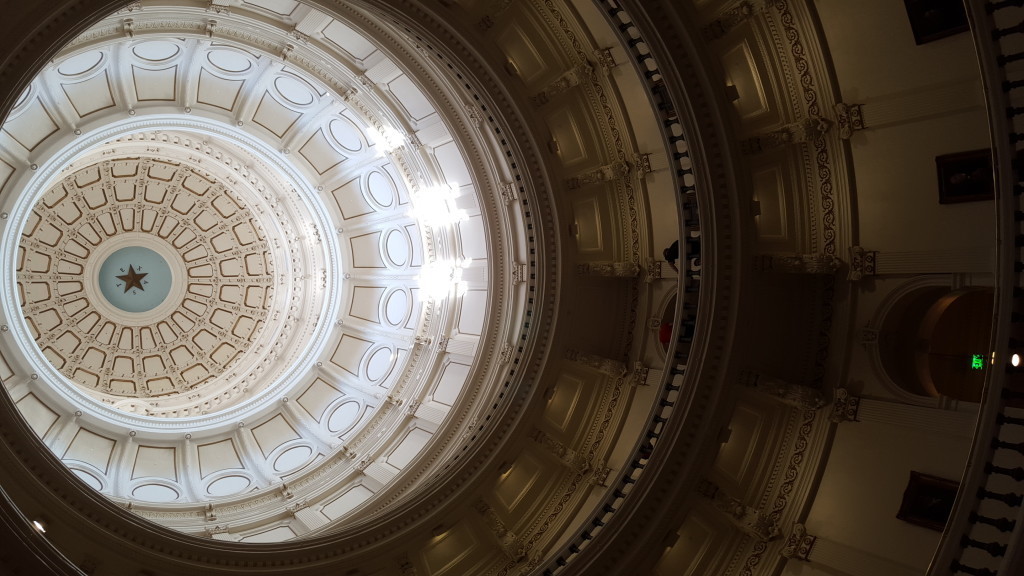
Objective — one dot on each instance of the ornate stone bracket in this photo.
(721, 26)
(567, 455)
(639, 375)
(797, 263)
(570, 79)
(844, 407)
(216, 529)
(798, 544)
(606, 173)
(609, 269)
(652, 270)
(512, 545)
(803, 397)
(604, 365)
(518, 273)
(746, 518)
(862, 263)
(495, 10)
(605, 60)
(850, 119)
(806, 130)
(508, 192)
(406, 565)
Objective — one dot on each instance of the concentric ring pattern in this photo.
(330, 268)
(220, 306)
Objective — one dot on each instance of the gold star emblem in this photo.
(132, 279)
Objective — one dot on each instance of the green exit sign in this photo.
(977, 362)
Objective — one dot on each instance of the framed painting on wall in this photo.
(928, 500)
(965, 176)
(932, 20)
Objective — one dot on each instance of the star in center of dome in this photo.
(132, 279)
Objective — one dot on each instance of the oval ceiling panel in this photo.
(346, 134)
(292, 458)
(294, 91)
(396, 244)
(377, 366)
(80, 64)
(396, 308)
(229, 60)
(381, 189)
(228, 485)
(156, 51)
(343, 417)
(88, 478)
(155, 493)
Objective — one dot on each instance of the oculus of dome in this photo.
(282, 214)
(135, 279)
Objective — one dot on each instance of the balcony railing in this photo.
(985, 530)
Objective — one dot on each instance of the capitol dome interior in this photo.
(511, 287)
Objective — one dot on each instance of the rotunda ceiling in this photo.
(251, 262)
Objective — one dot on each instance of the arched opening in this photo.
(934, 342)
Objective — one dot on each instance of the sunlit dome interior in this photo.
(252, 264)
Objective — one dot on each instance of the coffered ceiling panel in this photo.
(217, 456)
(317, 397)
(408, 447)
(349, 353)
(38, 415)
(216, 91)
(155, 462)
(273, 433)
(88, 96)
(320, 154)
(456, 551)
(348, 40)
(516, 486)
(274, 115)
(273, 535)
(452, 378)
(91, 448)
(30, 124)
(346, 501)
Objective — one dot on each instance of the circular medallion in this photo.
(135, 279)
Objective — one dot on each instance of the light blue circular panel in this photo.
(135, 279)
